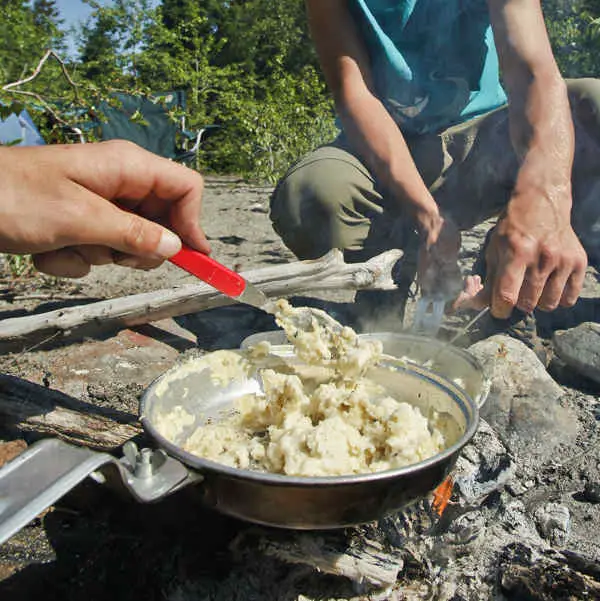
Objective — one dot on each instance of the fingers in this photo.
(62, 263)
(126, 260)
(76, 261)
(506, 285)
(103, 224)
(470, 297)
(555, 279)
(143, 181)
(573, 287)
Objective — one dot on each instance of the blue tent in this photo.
(20, 130)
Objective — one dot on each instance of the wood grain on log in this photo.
(29, 407)
(330, 272)
(367, 564)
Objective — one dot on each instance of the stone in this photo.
(579, 348)
(591, 492)
(483, 467)
(554, 522)
(524, 404)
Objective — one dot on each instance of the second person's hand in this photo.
(534, 260)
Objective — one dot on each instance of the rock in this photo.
(554, 522)
(579, 348)
(591, 492)
(466, 530)
(524, 401)
(483, 467)
(514, 520)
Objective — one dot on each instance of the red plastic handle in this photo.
(210, 271)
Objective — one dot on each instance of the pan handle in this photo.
(49, 469)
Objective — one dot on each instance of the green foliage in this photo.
(262, 88)
(24, 36)
(247, 65)
(286, 117)
(574, 31)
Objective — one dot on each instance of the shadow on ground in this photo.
(102, 546)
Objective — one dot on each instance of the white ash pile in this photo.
(521, 520)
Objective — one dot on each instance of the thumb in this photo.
(131, 234)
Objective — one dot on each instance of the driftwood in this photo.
(29, 407)
(327, 273)
(367, 563)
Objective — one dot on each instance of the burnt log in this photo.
(523, 574)
(41, 411)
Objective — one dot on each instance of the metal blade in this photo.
(252, 296)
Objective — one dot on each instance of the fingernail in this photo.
(168, 245)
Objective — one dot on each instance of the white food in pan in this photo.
(324, 418)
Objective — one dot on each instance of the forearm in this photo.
(543, 137)
(379, 142)
(540, 118)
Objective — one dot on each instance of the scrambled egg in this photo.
(322, 417)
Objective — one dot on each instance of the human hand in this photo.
(534, 259)
(74, 206)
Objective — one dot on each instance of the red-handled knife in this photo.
(218, 276)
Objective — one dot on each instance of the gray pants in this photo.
(329, 199)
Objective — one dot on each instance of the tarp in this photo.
(20, 130)
(154, 130)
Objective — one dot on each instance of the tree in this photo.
(574, 31)
(24, 36)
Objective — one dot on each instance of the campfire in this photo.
(517, 518)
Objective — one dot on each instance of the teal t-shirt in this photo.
(434, 62)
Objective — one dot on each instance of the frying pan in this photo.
(50, 468)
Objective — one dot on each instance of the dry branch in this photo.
(366, 563)
(13, 89)
(327, 273)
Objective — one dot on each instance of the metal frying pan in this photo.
(50, 468)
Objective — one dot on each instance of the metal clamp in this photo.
(49, 469)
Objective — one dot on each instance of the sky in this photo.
(73, 11)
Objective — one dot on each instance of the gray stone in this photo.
(483, 467)
(554, 522)
(524, 405)
(591, 492)
(579, 348)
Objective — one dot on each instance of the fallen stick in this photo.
(330, 272)
(29, 407)
(366, 562)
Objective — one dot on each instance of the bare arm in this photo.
(370, 129)
(540, 117)
(534, 258)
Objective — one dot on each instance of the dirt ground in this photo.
(94, 544)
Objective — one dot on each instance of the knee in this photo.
(584, 96)
(306, 204)
(320, 187)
